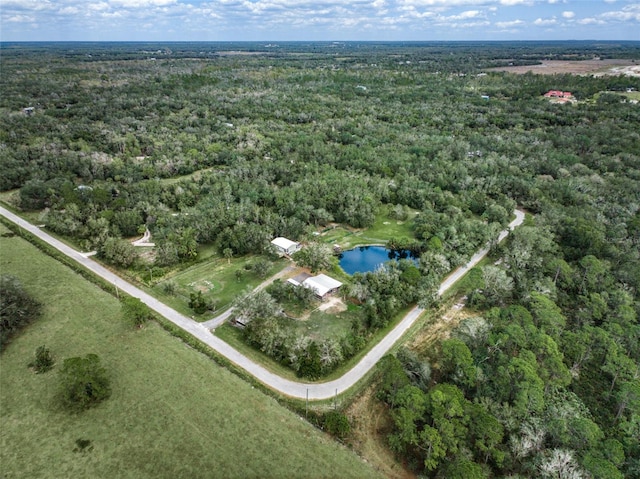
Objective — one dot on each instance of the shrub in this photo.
(170, 288)
(135, 310)
(83, 382)
(199, 303)
(336, 424)
(17, 307)
(43, 361)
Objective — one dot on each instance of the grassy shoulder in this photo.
(173, 412)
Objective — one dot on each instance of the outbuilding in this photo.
(322, 285)
(285, 246)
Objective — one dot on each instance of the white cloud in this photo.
(110, 15)
(545, 21)
(462, 3)
(69, 11)
(590, 21)
(465, 15)
(628, 13)
(36, 5)
(313, 19)
(511, 24)
(98, 7)
(30, 4)
(21, 19)
(141, 3)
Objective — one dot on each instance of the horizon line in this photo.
(573, 40)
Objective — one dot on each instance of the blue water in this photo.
(369, 258)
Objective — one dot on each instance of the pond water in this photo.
(369, 258)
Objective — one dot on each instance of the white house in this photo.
(285, 246)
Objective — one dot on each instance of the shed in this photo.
(299, 279)
(322, 285)
(285, 246)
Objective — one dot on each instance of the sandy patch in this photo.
(333, 305)
(441, 328)
(229, 53)
(203, 286)
(586, 67)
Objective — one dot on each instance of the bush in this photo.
(118, 252)
(135, 310)
(199, 303)
(43, 361)
(170, 288)
(17, 307)
(336, 424)
(261, 268)
(83, 382)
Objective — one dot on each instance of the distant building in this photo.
(558, 94)
(285, 246)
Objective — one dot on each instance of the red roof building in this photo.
(558, 94)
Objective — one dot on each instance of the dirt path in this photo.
(218, 320)
(144, 241)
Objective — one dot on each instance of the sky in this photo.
(318, 20)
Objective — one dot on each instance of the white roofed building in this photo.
(285, 246)
(322, 285)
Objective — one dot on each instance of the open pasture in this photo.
(173, 411)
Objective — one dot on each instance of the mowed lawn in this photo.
(322, 325)
(383, 229)
(217, 280)
(173, 412)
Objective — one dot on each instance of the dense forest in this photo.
(230, 145)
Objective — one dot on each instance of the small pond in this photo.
(368, 258)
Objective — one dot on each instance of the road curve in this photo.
(287, 387)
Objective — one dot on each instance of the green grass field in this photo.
(217, 280)
(173, 412)
(322, 325)
(382, 230)
(632, 95)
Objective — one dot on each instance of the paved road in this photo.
(476, 258)
(218, 320)
(290, 388)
